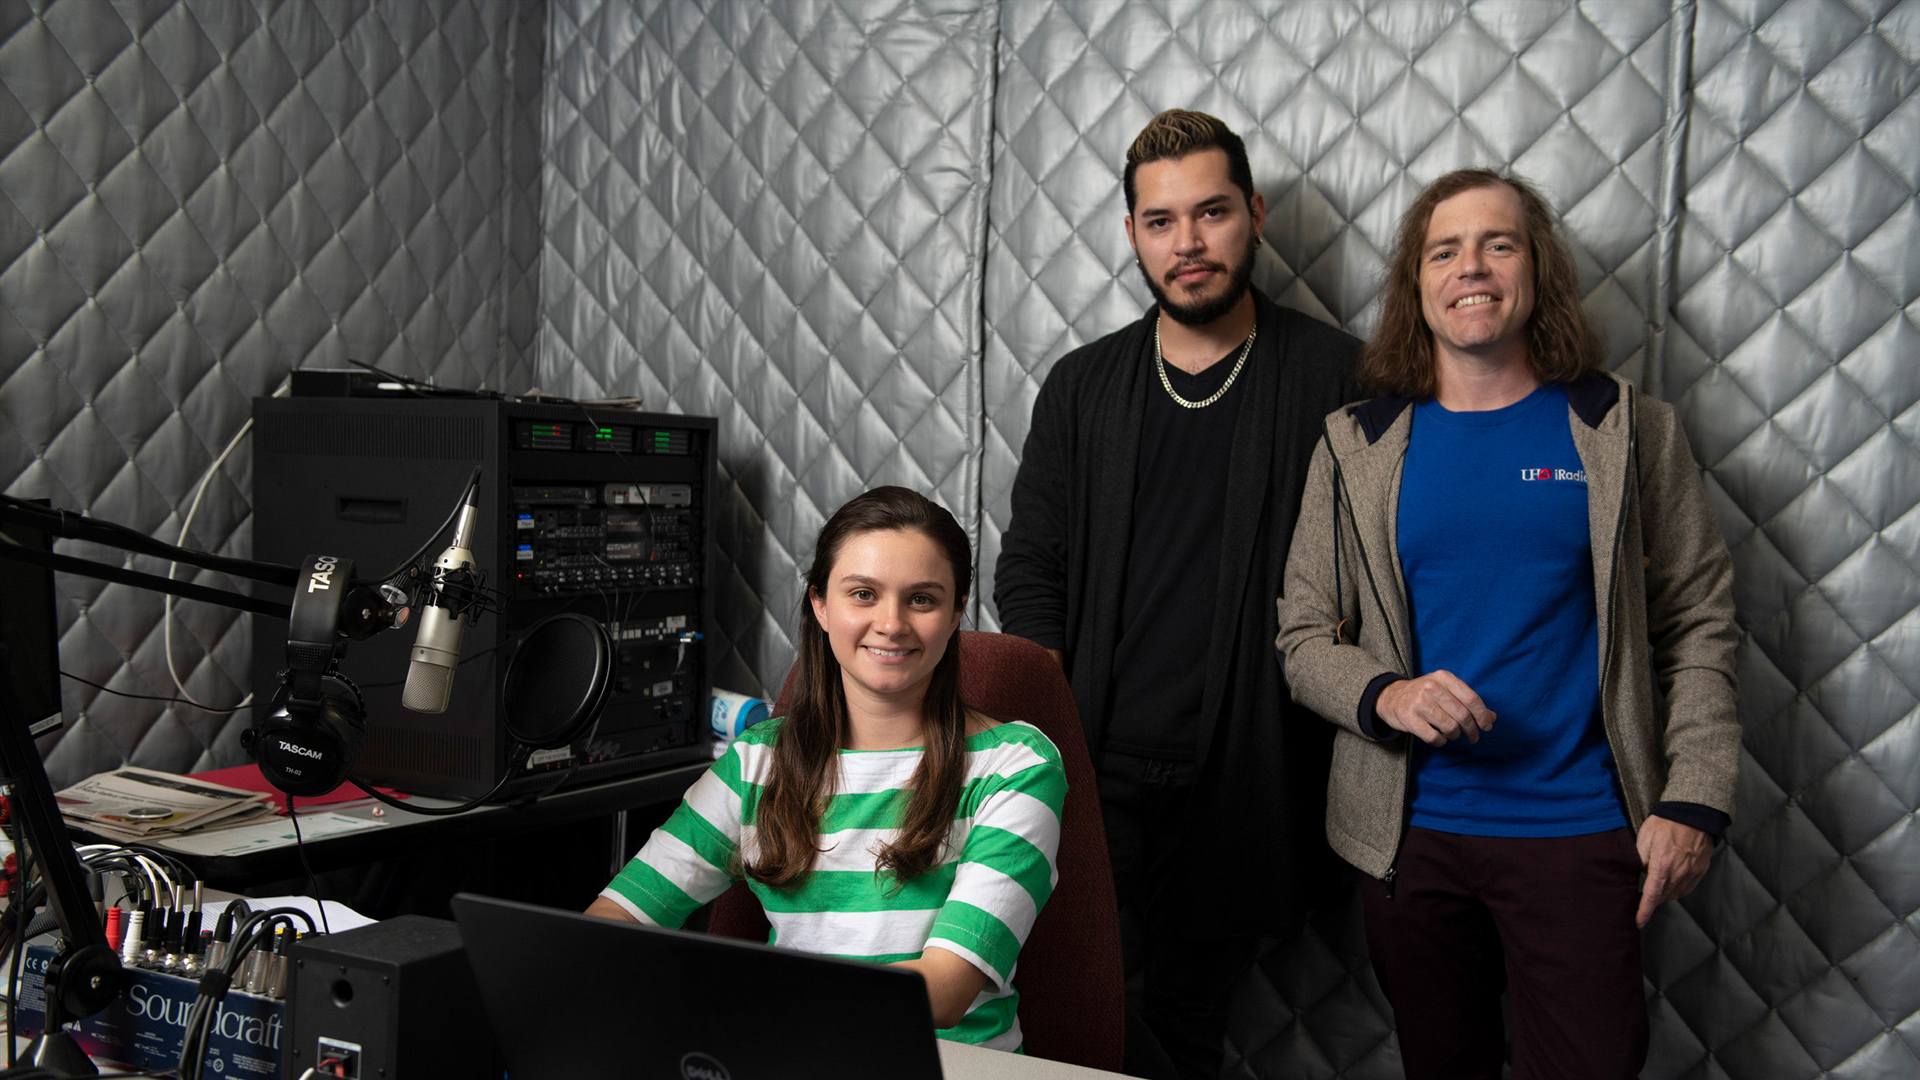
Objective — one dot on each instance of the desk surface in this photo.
(962, 1062)
(957, 1060)
(363, 832)
(351, 834)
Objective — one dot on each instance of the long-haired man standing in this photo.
(1494, 561)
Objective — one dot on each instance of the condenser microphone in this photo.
(436, 651)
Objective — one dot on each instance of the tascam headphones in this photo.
(555, 687)
(307, 744)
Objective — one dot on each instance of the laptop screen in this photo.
(571, 995)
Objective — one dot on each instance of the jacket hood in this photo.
(1592, 396)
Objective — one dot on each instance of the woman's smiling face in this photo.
(889, 612)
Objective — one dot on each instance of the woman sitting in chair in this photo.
(881, 818)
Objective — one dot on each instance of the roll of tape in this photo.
(734, 712)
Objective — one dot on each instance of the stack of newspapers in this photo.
(135, 805)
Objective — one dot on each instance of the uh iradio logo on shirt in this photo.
(1576, 476)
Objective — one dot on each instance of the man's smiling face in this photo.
(1476, 275)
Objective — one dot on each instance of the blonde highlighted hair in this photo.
(1179, 132)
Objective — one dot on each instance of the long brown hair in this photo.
(805, 752)
(1561, 344)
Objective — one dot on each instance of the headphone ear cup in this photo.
(307, 749)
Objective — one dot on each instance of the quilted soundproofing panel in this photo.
(1794, 356)
(197, 197)
(774, 216)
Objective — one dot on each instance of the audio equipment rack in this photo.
(606, 512)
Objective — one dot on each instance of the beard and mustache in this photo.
(1239, 277)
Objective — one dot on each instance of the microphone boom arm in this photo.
(69, 525)
(86, 975)
(141, 580)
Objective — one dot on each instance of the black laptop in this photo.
(573, 997)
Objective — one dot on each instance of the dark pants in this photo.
(1548, 920)
(1179, 983)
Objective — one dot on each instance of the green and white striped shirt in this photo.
(979, 902)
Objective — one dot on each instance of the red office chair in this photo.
(1069, 976)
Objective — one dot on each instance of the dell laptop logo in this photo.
(699, 1066)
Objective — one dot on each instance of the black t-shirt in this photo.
(1173, 564)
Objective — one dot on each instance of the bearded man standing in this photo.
(1151, 515)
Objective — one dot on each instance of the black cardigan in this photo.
(1258, 856)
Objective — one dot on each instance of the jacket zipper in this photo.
(1340, 487)
(1628, 488)
(1613, 592)
(1365, 563)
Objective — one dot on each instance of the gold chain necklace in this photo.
(1160, 365)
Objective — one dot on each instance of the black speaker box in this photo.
(395, 998)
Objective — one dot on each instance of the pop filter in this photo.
(557, 681)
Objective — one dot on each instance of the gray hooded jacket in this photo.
(1662, 587)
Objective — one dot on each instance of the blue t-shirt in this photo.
(1495, 549)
